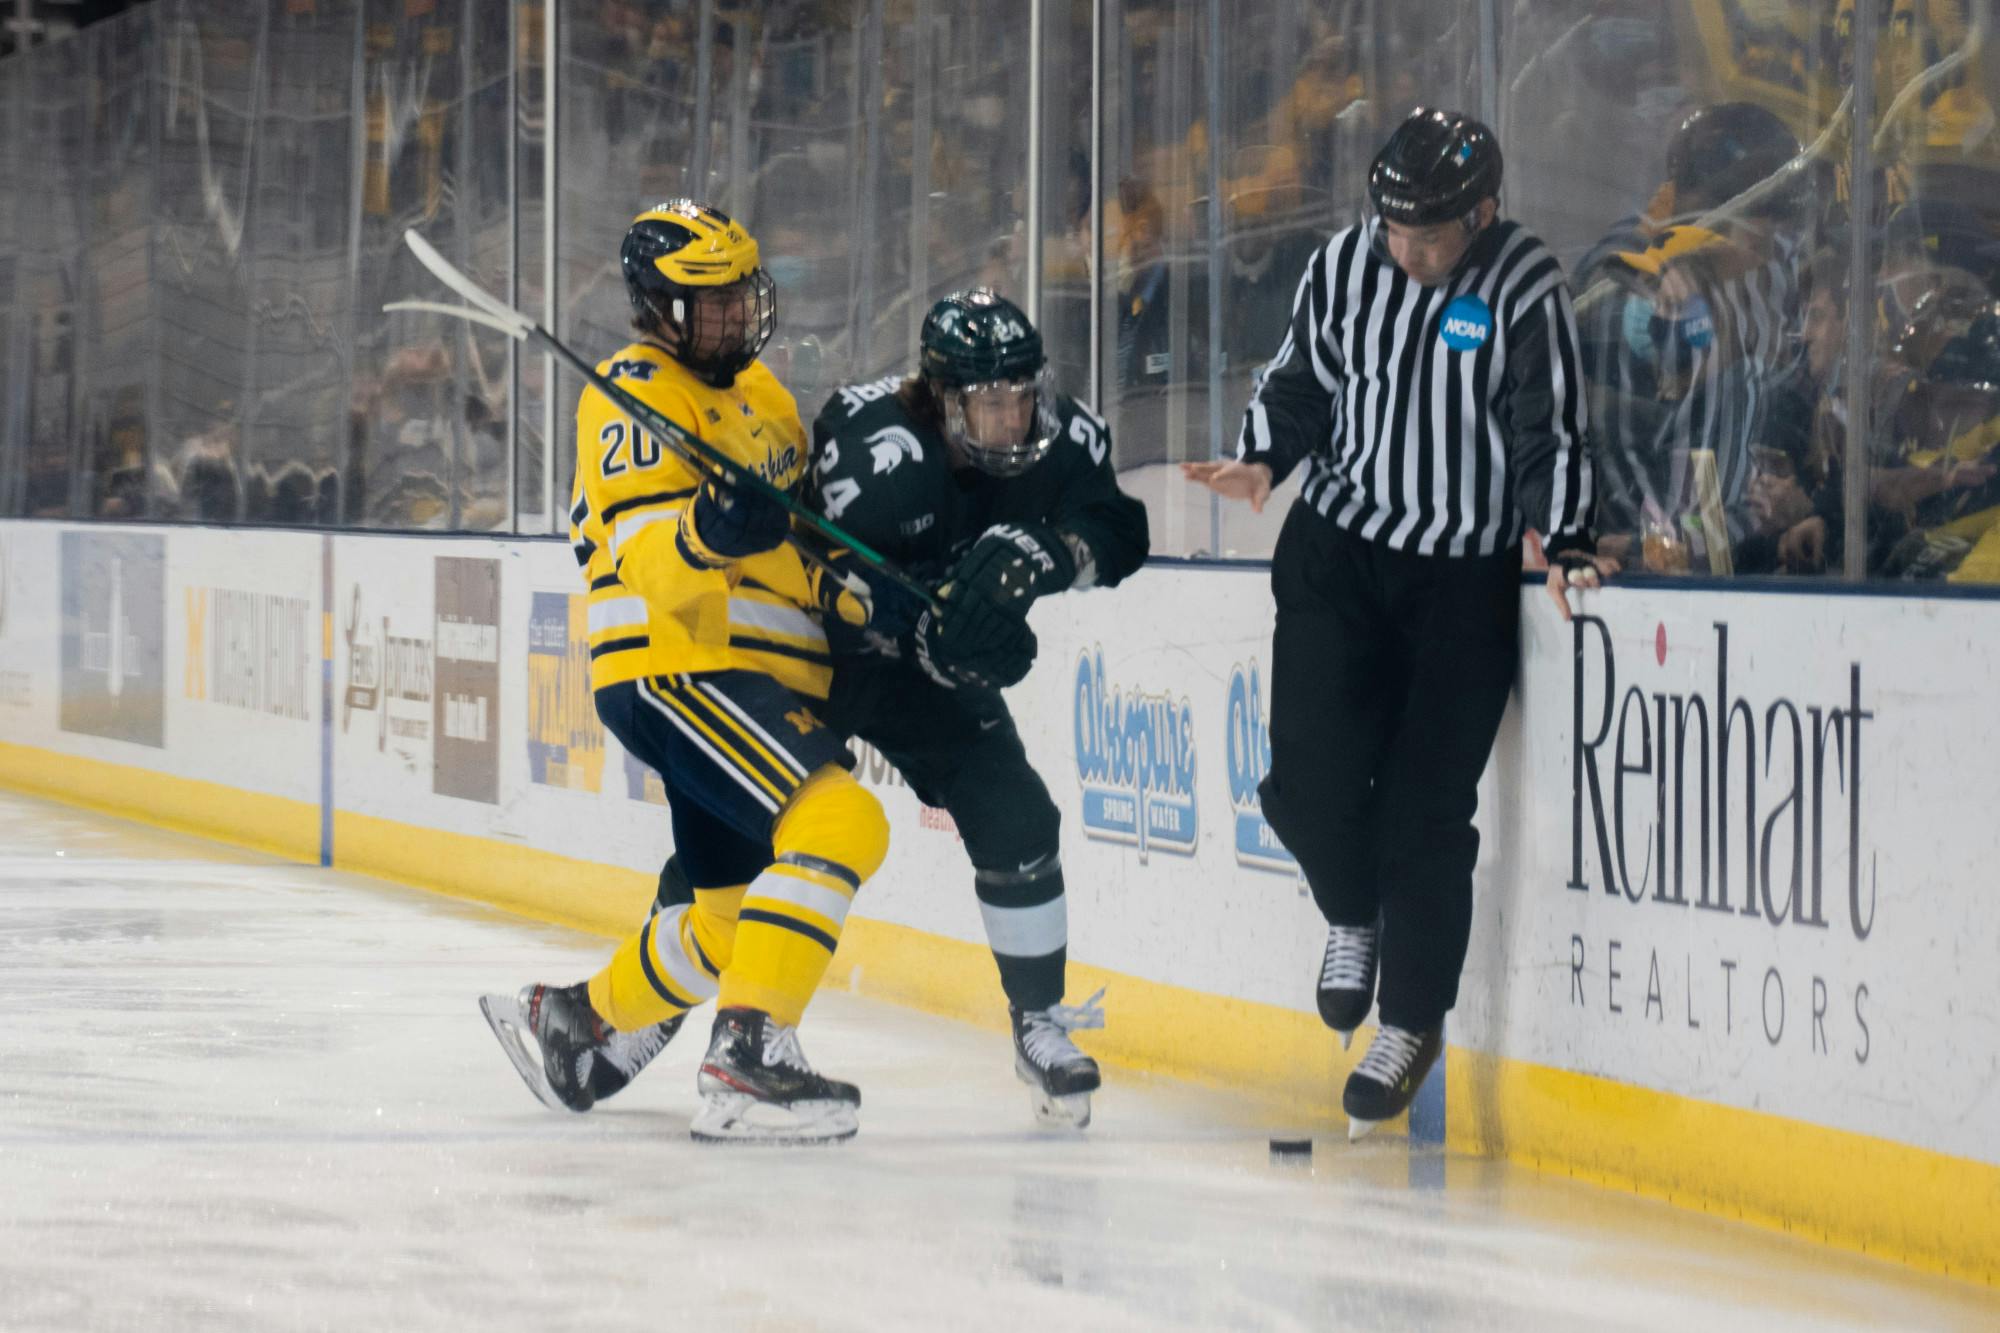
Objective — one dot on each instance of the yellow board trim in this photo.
(251, 819)
(1925, 1209)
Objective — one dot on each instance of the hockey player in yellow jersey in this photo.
(707, 661)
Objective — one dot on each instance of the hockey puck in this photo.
(1291, 1147)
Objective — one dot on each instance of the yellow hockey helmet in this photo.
(697, 284)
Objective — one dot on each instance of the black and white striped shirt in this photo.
(1435, 420)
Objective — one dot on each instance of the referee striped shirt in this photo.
(1435, 420)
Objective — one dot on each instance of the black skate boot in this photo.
(1386, 1081)
(1059, 1076)
(554, 1039)
(1347, 978)
(756, 1087)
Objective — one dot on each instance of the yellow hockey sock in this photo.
(671, 965)
(831, 836)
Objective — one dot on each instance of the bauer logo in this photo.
(1467, 323)
(1135, 759)
(1249, 755)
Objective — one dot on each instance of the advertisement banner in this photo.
(19, 642)
(467, 705)
(565, 738)
(248, 650)
(386, 679)
(113, 644)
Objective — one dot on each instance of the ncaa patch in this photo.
(1468, 322)
(1696, 323)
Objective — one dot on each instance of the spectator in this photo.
(1685, 319)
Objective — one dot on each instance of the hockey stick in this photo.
(492, 313)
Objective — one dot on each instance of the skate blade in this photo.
(737, 1118)
(1358, 1129)
(510, 1028)
(1346, 1038)
(1068, 1111)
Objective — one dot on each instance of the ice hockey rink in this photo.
(240, 1093)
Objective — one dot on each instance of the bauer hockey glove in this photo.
(725, 524)
(1014, 563)
(973, 640)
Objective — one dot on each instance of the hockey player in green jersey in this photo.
(977, 474)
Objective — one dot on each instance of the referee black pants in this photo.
(1390, 672)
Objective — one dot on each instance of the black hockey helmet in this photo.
(982, 358)
(697, 284)
(1720, 151)
(1435, 168)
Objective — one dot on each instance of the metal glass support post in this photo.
(1216, 129)
(704, 104)
(353, 506)
(1097, 205)
(551, 120)
(922, 107)
(1034, 200)
(1489, 63)
(1860, 303)
(513, 265)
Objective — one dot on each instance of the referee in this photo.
(1430, 384)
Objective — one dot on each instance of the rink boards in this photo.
(1735, 942)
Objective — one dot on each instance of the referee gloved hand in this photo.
(1571, 567)
(1014, 563)
(971, 639)
(727, 523)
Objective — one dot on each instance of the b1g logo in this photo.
(1135, 759)
(1249, 758)
(1468, 322)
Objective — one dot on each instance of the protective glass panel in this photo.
(1686, 164)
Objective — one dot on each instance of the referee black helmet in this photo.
(1435, 168)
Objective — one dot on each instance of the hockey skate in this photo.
(568, 1056)
(756, 1087)
(1347, 978)
(1386, 1081)
(1060, 1077)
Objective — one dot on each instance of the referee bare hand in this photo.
(1233, 480)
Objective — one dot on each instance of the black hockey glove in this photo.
(973, 641)
(725, 524)
(1014, 563)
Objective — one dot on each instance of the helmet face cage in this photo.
(971, 411)
(719, 331)
(714, 331)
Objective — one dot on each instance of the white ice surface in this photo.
(237, 1093)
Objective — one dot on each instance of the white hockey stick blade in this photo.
(510, 1028)
(443, 270)
(512, 329)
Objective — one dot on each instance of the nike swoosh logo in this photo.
(989, 724)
